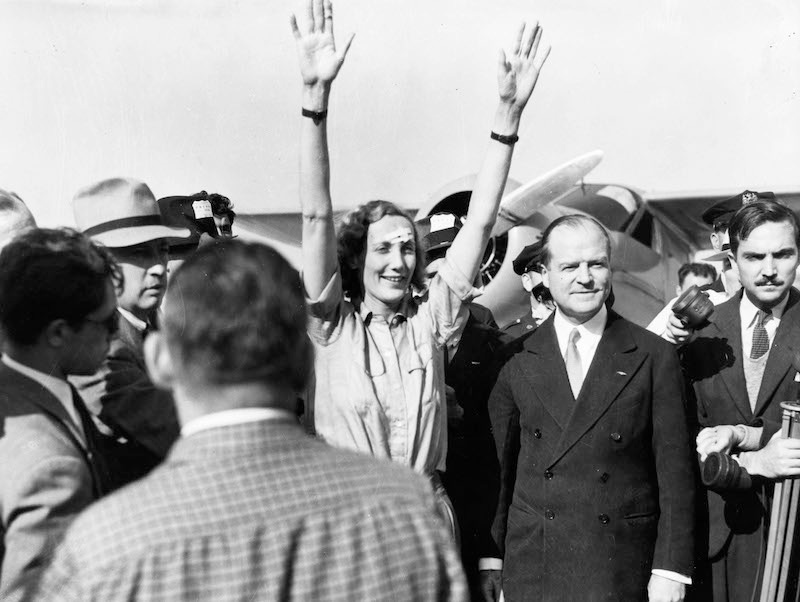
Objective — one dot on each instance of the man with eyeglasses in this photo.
(58, 314)
(138, 419)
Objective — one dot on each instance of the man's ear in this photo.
(716, 242)
(527, 282)
(158, 359)
(545, 276)
(56, 333)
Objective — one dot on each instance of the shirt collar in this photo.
(748, 311)
(592, 328)
(400, 315)
(138, 324)
(233, 417)
(58, 387)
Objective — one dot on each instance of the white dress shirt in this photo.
(591, 332)
(232, 417)
(749, 314)
(58, 387)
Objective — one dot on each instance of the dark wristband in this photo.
(510, 140)
(317, 116)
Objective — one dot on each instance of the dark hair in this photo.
(352, 240)
(756, 213)
(572, 221)
(51, 274)
(221, 205)
(236, 313)
(701, 270)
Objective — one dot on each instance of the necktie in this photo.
(572, 359)
(760, 336)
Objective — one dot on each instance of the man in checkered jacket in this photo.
(247, 506)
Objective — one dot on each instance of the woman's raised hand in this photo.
(518, 72)
(320, 60)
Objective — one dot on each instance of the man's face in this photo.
(578, 272)
(91, 339)
(144, 267)
(693, 279)
(767, 261)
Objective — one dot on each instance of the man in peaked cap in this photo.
(14, 216)
(470, 371)
(528, 265)
(139, 419)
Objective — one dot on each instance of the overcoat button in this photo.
(549, 514)
(537, 433)
(604, 519)
(604, 477)
(548, 475)
(616, 437)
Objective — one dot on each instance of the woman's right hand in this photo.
(320, 61)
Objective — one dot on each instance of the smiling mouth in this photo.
(395, 279)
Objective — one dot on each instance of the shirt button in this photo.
(604, 519)
(549, 514)
(604, 477)
(616, 437)
(548, 475)
(537, 433)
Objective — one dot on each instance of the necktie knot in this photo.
(574, 337)
(764, 316)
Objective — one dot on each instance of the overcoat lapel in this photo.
(783, 352)
(726, 319)
(548, 378)
(615, 362)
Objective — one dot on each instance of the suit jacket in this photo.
(595, 491)
(141, 420)
(714, 371)
(46, 478)
(471, 477)
(261, 511)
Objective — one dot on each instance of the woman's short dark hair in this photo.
(757, 213)
(50, 274)
(352, 241)
(236, 313)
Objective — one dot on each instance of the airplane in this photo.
(203, 95)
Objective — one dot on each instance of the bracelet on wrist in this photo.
(502, 139)
(316, 116)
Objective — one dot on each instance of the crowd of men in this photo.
(183, 416)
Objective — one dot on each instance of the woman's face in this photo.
(389, 262)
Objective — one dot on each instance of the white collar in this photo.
(232, 417)
(748, 311)
(138, 324)
(592, 328)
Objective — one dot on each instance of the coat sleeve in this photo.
(37, 509)
(673, 450)
(504, 415)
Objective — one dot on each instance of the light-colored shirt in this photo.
(232, 417)
(380, 384)
(591, 332)
(138, 324)
(58, 387)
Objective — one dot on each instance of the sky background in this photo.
(199, 94)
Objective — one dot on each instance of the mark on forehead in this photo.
(400, 236)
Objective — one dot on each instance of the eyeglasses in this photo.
(111, 323)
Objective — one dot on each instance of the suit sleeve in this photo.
(37, 511)
(673, 450)
(504, 416)
(131, 404)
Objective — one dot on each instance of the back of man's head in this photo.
(46, 275)
(236, 314)
(14, 216)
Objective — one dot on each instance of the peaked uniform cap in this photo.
(121, 212)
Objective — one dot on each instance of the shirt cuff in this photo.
(490, 564)
(752, 437)
(673, 576)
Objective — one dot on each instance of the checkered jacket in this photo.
(260, 511)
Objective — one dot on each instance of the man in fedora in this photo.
(123, 215)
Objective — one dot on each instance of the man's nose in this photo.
(768, 268)
(584, 275)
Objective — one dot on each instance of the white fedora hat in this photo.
(121, 212)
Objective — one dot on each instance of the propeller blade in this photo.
(520, 204)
